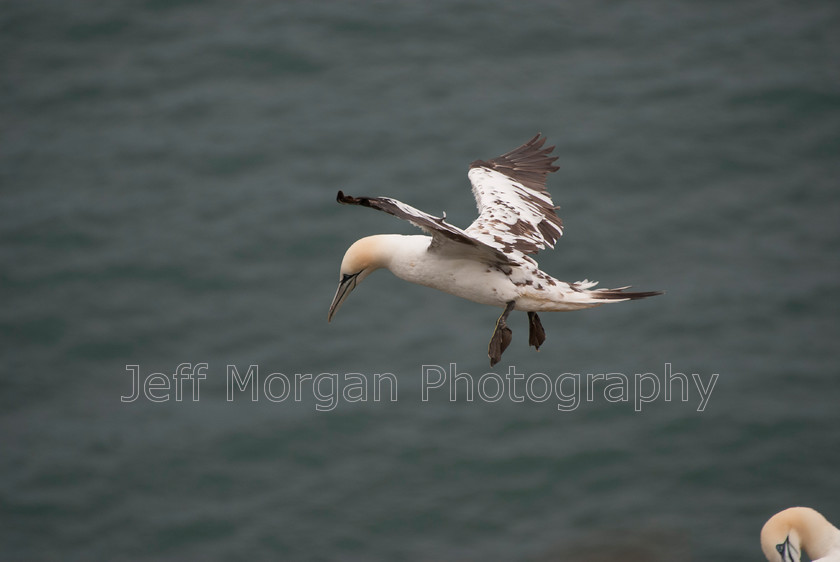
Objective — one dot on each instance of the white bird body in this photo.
(789, 532)
(409, 258)
(487, 262)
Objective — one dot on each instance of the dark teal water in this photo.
(168, 174)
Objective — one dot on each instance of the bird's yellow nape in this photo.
(362, 258)
(789, 532)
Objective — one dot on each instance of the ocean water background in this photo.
(168, 174)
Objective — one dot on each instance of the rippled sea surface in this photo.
(168, 174)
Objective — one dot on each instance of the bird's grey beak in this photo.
(347, 284)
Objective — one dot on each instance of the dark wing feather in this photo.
(444, 235)
(516, 212)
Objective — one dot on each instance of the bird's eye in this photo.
(348, 276)
(787, 551)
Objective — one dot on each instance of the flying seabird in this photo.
(489, 261)
(789, 532)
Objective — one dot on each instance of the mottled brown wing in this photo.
(516, 213)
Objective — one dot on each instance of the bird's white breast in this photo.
(462, 277)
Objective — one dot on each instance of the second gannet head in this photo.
(789, 532)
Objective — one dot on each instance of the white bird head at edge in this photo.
(789, 532)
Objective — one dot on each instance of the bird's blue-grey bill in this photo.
(344, 288)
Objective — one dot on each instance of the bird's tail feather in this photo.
(619, 294)
(583, 296)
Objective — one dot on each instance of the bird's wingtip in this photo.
(348, 199)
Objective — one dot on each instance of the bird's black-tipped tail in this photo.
(619, 294)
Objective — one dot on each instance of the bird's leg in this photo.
(501, 336)
(536, 334)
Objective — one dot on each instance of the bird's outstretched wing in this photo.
(516, 213)
(445, 237)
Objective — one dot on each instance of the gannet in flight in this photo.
(488, 262)
(789, 532)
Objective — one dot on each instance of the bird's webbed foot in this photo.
(502, 336)
(536, 334)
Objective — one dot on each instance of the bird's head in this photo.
(787, 533)
(361, 259)
(781, 545)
